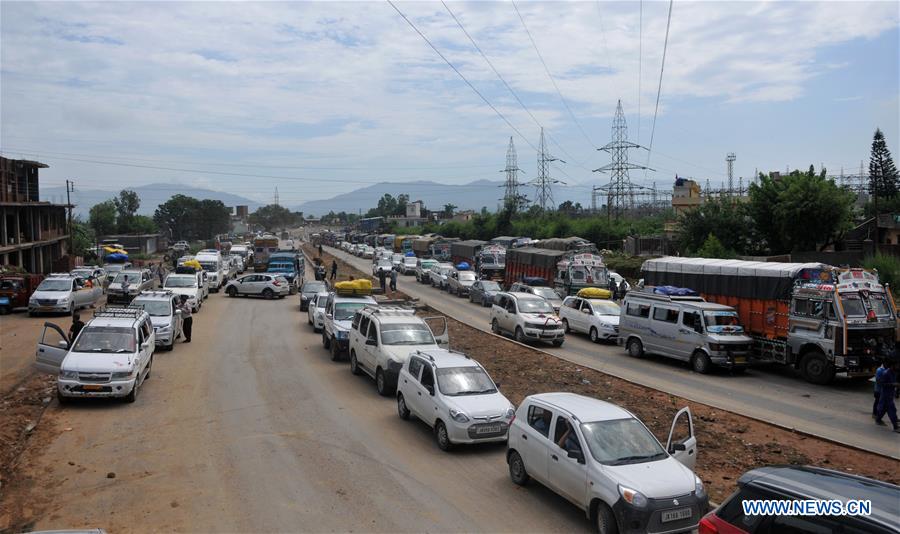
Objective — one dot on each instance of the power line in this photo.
(659, 88)
(640, 61)
(447, 61)
(552, 80)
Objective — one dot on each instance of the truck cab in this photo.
(579, 271)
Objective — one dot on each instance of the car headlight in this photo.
(608, 326)
(122, 374)
(633, 497)
(699, 490)
(72, 375)
(63, 300)
(32, 300)
(716, 347)
(510, 412)
(458, 416)
(164, 329)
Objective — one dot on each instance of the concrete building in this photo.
(414, 209)
(33, 234)
(242, 212)
(685, 195)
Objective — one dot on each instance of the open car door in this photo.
(51, 349)
(682, 443)
(440, 330)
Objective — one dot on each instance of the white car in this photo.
(367, 252)
(214, 265)
(382, 265)
(315, 310)
(438, 275)
(162, 306)
(189, 285)
(455, 396)
(526, 317)
(409, 265)
(397, 260)
(598, 318)
(459, 283)
(381, 339)
(603, 459)
(135, 280)
(63, 293)
(267, 285)
(111, 357)
(339, 312)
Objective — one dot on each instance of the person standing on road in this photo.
(878, 372)
(320, 249)
(187, 319)
(623, 288)
(76, 327)
(161, 272)
(612, 288)
(886, 401)
(333, 268)
(393, 279)
(382, 277)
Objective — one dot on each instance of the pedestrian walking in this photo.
(161, 272)
(393, 279)
(320, 249)
(187, 319)
(613, 288)
(382, 277)
(623, 288)
(333, 268)
(886, 400)
(77, 325)
(878, 372)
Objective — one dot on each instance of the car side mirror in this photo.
(577, 455)
(63, 344)
(329, 316)
(430, 390)
(586, 312)
(678, 447)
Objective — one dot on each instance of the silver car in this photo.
(260, 284)
(316, 311)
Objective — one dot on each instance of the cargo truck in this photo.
(820, 320)
(263, 246)
(466, 251)
(569, 271)
(491, 263)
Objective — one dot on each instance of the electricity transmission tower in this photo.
(544, 183)
(512, 200)
(619, 191)
(730, 160)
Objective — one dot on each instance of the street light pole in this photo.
(70, 188)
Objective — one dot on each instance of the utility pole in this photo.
(544, 183)
(70, 188)
(276, 195)
(619, 190)
(511, 198)
(730, 160)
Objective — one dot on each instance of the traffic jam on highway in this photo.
(716, 316)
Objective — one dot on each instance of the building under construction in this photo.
(33, 234)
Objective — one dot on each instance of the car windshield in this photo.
(286, 266)
(384, 263)
(467, 276)
(490, 286)
(456, 381)
(546, 292)
(605, 307)
(853, 305)
(428, 264)
(321, 301)
(406, 334)
(209, 265)
(621, 442)
(409, 261)
(55, 284)
(132, 278)
(534, 306)
(155, 308)
(343, 311)
(109, 339)
(114, 268)
(181, 281)
(721, 318)
(83, 273)
(9, 284)
(313, 287)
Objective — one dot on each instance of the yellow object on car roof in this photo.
(594, 293)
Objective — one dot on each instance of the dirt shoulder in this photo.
(728, 444)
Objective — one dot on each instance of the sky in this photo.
(320, 98)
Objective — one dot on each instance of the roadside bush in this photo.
(888, 268)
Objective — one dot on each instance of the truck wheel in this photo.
(402, 409)
(816, 369)
(61, 399)
(700, 362)
(4, 310)
(635, 348)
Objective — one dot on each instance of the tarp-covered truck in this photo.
(466, 251)
(821, 320)
(531, 262)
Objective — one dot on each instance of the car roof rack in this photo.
(392, 310)
(119, 313)
(156, 293)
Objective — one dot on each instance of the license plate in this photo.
(740, 360)
(676, 514)
(4, 301)
(491, 429)
(89, 387)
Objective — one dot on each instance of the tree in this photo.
(127, 204)
(800, 211)
(175, 217)
(729, 222)
(272, 217)
(141, 224)
(883, 178)
(83, 238)
(402, 201)
(713, 248)
(449, 209)
(213, 218)
(102, 218)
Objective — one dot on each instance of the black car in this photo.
(483, 291)
(309, 290)
(801, 483)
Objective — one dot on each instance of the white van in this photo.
(685, 328)
(214, 265)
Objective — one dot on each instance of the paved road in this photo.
(840, 412)
(252, 428)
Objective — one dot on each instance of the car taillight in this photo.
(276, 283)
(713, 524)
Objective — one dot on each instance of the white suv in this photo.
(381, 339)
(455, 396)
(111, 357)
(602, 458)
(162, 306)
(598, 318)
(339, 312)
(526, 317)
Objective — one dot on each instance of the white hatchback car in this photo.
(454, 395)
(315, 310)
(527, 318)
(598, 318)
(602, 458)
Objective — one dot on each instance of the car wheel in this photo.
(700, 362)
(132, 396)
(62, 399)
(335, 350)
(354, 365)
(381, 383)
(231, 291)
(402, 409)
(635, 348)
(495, 327)
(326, 341)
(566, 326)
(558, 342)
(606, 521)
(442, 437)
(517, 472)
(594, 336)
(309, 319)
(268, 294)
(471, 299)
(520, 334)
(815, 368)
